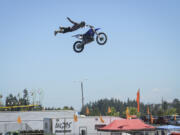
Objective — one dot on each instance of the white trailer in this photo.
(83, 126)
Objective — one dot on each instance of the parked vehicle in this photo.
(161, 120)
(147, 119)
(172, 121)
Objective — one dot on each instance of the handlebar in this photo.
(92, 27)
(89, 26)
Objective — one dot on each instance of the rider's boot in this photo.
(55, 32)
(61, 29)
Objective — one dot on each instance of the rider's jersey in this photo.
(75, 26)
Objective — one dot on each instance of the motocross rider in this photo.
(70, 29)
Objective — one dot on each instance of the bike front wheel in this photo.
(101, 39)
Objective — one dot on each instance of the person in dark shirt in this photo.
(75, 26)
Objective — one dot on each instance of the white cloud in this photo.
(155, 95)
(156, 90)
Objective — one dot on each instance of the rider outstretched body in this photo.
(70, 29)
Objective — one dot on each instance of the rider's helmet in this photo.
(82, 24)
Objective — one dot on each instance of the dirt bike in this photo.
(88, 37)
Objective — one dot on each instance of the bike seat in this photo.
(77, 35)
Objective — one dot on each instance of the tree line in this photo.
(18, 103)
(100, 107)
(118, 108)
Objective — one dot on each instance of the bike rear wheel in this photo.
(101, 39)
(78, 47)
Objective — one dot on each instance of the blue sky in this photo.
(142, 50)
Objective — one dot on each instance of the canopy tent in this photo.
(175, 133)
(168, 127)
(127, 125)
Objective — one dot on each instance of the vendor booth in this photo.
(130, 126)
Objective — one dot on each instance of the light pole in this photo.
(82, 94)
(1, 100)
(82, 91)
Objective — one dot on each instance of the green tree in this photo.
(68, 108)
(132, 111)
(160, 112)
(113, 112)
(12, 101)
(171, 111)
(25, 97)
(164, 105)
(176, 104)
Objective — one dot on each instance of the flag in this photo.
(127, 113)
(138, 99)
(152, 119)
(109, 110)
(75, 118)
(19, 120)
(87, 111)
(148, 110)
(101, 119)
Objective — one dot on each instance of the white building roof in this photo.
(31, 120)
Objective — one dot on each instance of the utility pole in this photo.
(82, 94)
(1, 96)
(82, 91)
